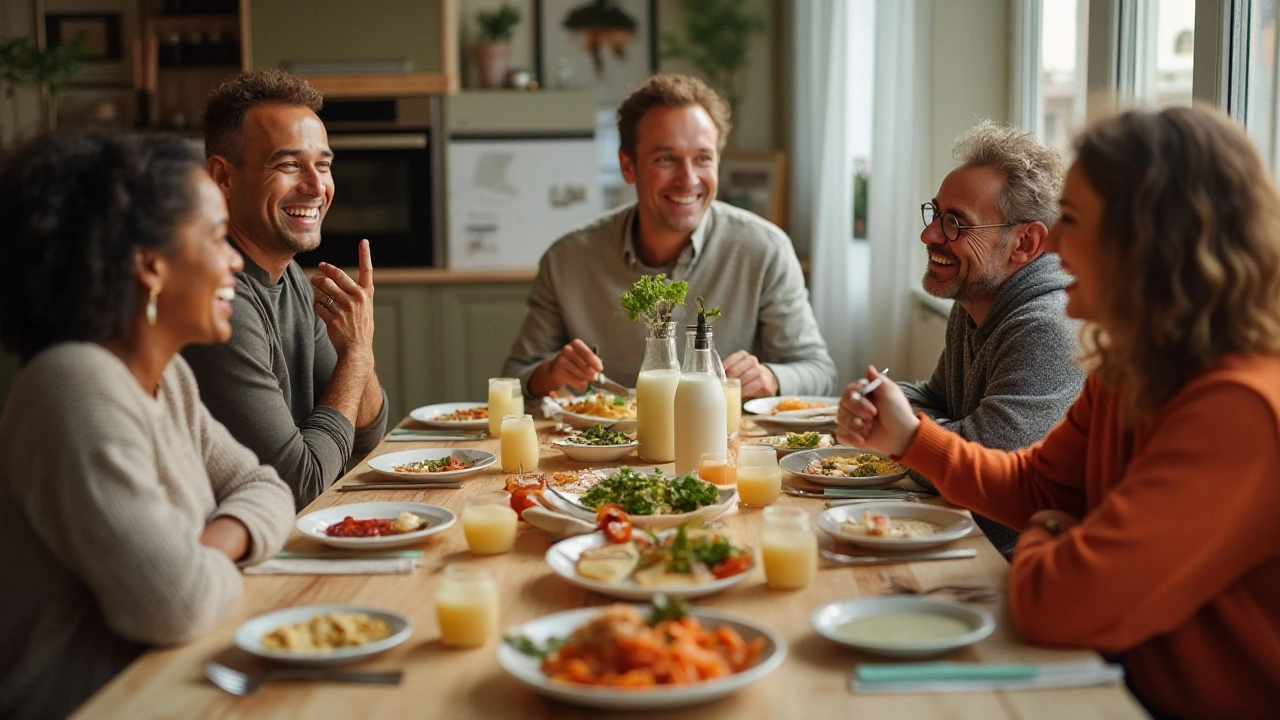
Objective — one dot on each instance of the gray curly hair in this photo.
(1033, 173)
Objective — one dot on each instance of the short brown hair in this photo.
(230, 102)
(1190, 250)
(670, 90)
(1032, 172)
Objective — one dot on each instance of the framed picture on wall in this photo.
(610, 45)
(105, 29)
(756, 180)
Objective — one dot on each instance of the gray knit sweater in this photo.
(1006, 382)
(104, 492)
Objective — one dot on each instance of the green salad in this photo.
(600, 435)
(653, 494)
(794, 441)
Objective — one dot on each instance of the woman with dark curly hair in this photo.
(124, 506)
(1148, 513)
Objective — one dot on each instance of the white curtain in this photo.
(900, 140)
(822, 177)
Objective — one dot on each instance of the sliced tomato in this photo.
(731, 566)
(613, 521)
(522, 498)
(618, 531)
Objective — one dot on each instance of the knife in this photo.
(476, 435)
(842, 559)
(338, 555)
(356, 487)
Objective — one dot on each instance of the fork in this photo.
(963, 593)
(241, 683)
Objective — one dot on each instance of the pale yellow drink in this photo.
(467, 607)
(655, 415)
(759, 485)
(489, 523)
(790, 557)
(518, 447)
(504, 399)
(732, 405)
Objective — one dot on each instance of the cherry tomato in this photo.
(522, 498)
(731, 566)
(613, 521)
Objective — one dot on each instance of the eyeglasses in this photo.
(951, 227)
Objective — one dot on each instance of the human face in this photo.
(280, 191)
(194, 304)
(975, 264)
(674, 169)
(1076, 237)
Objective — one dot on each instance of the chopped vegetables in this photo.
(599, 435)
(444, 464)
(651, 495)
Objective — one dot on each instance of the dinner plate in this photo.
(313, 524)
(952, 524)
(565, 501)
(427, 415)
(385, 464)
(594, 453)
(527, 669)
(796, 462)
(582, 422)
(250, 633)
(761, 408)
(774, 441)
(563, 559)
(827, 619)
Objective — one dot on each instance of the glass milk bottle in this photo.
(656, 395)
(699, 406)
(467, 606)
(518, 445)
(505, 399)
(790, 548)
(732, 387)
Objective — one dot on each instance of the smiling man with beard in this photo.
(296, 383)
(1008, 371)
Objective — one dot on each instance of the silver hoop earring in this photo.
(151, 306)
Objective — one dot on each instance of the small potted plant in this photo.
(492, 48)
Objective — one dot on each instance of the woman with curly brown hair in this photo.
(1148, 512)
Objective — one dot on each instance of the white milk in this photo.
(655, 415)
(699, 419)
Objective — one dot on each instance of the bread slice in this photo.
(609, 563)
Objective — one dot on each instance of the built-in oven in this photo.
(385, 164)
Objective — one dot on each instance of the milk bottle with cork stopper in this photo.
(699, 405)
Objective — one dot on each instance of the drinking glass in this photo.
(518, 446)
(489, 522)
(467, 606)
(732, 405)
(717, 468)
(759, 477)
(505, 399)
(789, 546)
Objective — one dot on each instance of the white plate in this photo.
(427, 414)
(594, 453)
(249, 635)
(582, 422)
(728, 496)
(952, 523)
(827, 618)
(313, 524)
(796, 462)
(527, 670)
(760, 407)
(563, 559)
(385, 464)
(773, 441)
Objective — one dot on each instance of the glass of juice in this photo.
(518, 448)
(505, 399)
(790, 548)
(717, 468)
(732, 405)
(467, 606)
(759, 477)
(489, 522)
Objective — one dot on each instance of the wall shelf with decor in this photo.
(186, 47)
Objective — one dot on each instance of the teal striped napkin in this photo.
(976, 677)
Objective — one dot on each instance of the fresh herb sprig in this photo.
(667, 608)
(708, 313)
(528, 646)
(653, 297)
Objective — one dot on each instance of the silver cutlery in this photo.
(436, 434)
(963, 593)
(860, 493)
(842, 559)
(611, 386)
(237, 682)
(840, 502)
(357, 487)
(871, 386)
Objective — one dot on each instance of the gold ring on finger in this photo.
(328, 301)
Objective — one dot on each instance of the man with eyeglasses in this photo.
(1008, 373)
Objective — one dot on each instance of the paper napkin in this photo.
(978, 677)
(401, 562)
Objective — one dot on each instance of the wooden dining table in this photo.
(812, 682)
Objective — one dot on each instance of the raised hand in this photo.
(346, 305)
(575, 365)
(882, 422)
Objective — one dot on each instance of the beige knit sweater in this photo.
(104, 492)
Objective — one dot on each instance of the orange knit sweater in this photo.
(1176, 560)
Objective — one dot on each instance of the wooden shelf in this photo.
(384, 85)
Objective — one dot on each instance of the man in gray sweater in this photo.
(296, 383)
(1007, 374)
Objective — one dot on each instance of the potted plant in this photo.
(492, 50)
(718, 34)
(22, 63)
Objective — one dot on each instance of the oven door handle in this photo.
(379, 141)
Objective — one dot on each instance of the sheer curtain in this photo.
(900, 138)
(822, 181)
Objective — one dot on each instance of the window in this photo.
(1258, 101)
(1063, 70)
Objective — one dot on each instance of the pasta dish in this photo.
(614, 407)
(327, 632)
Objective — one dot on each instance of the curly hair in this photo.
(1033, 173)
(229, 103)
(74, 207)
(670, 90)
(1190, 250)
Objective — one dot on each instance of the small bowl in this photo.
(594, 453)
(827, 619)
